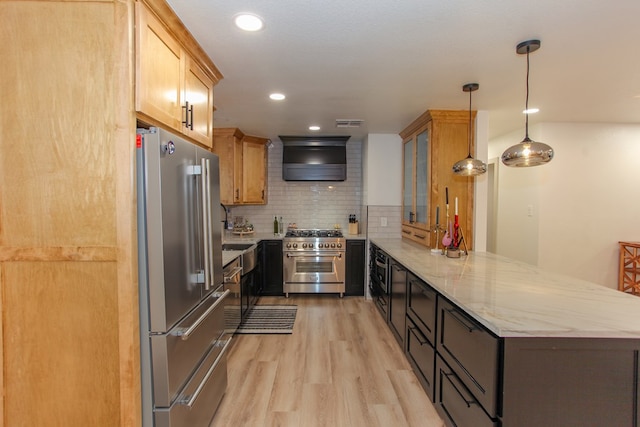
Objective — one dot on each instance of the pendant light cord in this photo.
(526, 102)
(469, 139)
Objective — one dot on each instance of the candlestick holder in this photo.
(437, 229)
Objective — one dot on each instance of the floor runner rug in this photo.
(269, 319)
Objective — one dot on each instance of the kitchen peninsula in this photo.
(513, 345)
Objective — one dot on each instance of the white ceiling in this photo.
(387, 61)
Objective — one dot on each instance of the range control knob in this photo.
(339, 245)
(288, 245)
(333, 245)
(295, 245)
(310, 245)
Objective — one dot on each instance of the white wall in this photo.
(382, 170)
(582, 203)
(481, 182)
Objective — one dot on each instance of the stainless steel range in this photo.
(314, 261)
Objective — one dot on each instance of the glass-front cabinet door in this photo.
(416, 180)
(408, 182)
(422, 178)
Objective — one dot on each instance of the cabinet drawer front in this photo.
(471, 352)
(455, 403)
(422, 356)
(421, 306)
(416, 234)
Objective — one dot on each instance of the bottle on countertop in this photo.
(275, 225)
(280, 227)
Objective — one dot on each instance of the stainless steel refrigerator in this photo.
(182, 302)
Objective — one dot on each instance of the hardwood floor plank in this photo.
(341, 366)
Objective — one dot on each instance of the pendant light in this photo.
(528, 152)
(469, 166)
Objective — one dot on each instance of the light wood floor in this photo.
(341, 367)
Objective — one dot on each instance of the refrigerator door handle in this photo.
(209, 235)
(204, 179)
(185, 334)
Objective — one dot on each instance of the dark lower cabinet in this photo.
(455, 402)
(271, 267)
(421, 330)
(398, 296)
(472, 352)
(354, 270)
(421, 355)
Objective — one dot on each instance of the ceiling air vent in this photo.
(348, 123)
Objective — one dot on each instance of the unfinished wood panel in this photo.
(67, 215)
(61, 359)
(57, 134)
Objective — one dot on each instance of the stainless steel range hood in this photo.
(320, 158)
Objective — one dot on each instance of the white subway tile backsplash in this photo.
(309, 204)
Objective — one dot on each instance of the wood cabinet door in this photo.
(408, 186)
(198, 95)
(225, 145)
(237, 170)
(254, 167)
(159, 68)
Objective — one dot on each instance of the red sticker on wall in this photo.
(138, 141)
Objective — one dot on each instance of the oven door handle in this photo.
(381, 265)
(339, 255)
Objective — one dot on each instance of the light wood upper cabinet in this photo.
(171, 87)
(243, 167)
(432, 144)
(198, 96)
(254, 170)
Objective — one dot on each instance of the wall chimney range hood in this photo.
(314, 158)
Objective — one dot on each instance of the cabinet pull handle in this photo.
(185, 107)
(237, 194)
(406, 231)
(189, 401)
(411, 216)
(420, 236)
(417, 335)
(398, 267)
(185, 334)
(190, 125)
(420, 286)
(381, 265)
(468, 400)
(454, 313)
(262, 194)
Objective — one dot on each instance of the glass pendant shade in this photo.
(527, 153)
(469, 166)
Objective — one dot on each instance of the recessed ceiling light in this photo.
(530, 111)
(248, 22)
(277, 96)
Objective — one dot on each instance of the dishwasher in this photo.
(249, 282)
(231, 274)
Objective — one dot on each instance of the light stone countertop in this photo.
(514, 299)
